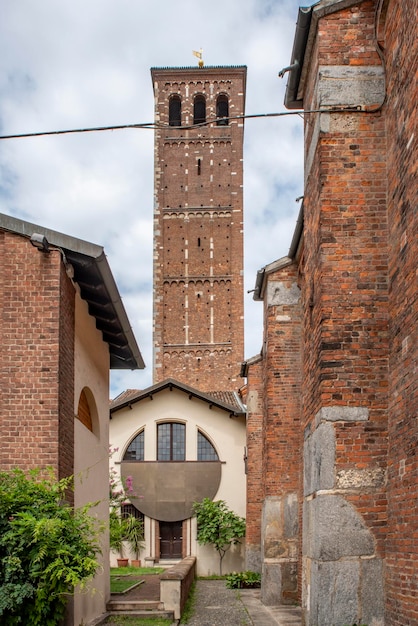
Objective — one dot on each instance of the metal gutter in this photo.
(297, 235)
(268, 269)
(291, 99)
(306, 28)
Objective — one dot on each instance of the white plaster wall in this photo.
(226, 434)
(91, 462)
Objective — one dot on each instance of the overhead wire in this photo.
(157, 126)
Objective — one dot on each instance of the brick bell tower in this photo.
(198, 225)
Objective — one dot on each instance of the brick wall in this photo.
(345, 255)
(399, 36)
(281, 379)
(357, 273)
(274, 440)
(66, 376)
(198, 232)
(282, 438)
(346, 321)
(30, 295)
(255, 491)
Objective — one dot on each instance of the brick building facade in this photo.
(198, 225)
(63, 326)
(353, 259)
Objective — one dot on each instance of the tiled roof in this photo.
(228, 400)
(227, 397)
(124, 396)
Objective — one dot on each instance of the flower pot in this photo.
(123, 562)
(135, 562)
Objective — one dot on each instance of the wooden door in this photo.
(171, 540)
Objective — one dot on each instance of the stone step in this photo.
(135, 605)
(144, 614)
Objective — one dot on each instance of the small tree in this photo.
(218, 525)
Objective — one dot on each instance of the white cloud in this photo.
(87, 64)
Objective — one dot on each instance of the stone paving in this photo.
(216, 605)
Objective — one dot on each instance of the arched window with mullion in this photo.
(205, 450)
(135, 450)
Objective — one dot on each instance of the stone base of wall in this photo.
(279, 550)
(343, 592)
(253, 561)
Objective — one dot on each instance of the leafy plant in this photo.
(218, 525)
(117, 531)
(125, 529)
(46, 548)
(121, 529)
(134, 534)
(243, 580)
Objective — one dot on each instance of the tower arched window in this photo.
(199, 110)
(222, 110)
(174, 111)
(135, 450)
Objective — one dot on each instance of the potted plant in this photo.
(117, 535)
(134, 535)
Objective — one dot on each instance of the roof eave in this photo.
(95, 279)
(171, 383)
(260, 281)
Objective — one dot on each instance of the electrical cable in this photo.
(154, 126)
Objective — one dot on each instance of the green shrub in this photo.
(46, 548)
(243, 580)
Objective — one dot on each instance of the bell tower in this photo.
(198, 303)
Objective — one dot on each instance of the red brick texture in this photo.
(345, 266)
(36, 378)
(399, 33)
(281, 377)
(274, 439)
(359, 288)
(198, 232)
(358, 280)
(255, 490)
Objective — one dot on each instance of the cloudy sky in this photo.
(86, 63)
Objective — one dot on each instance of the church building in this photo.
(183, 438)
